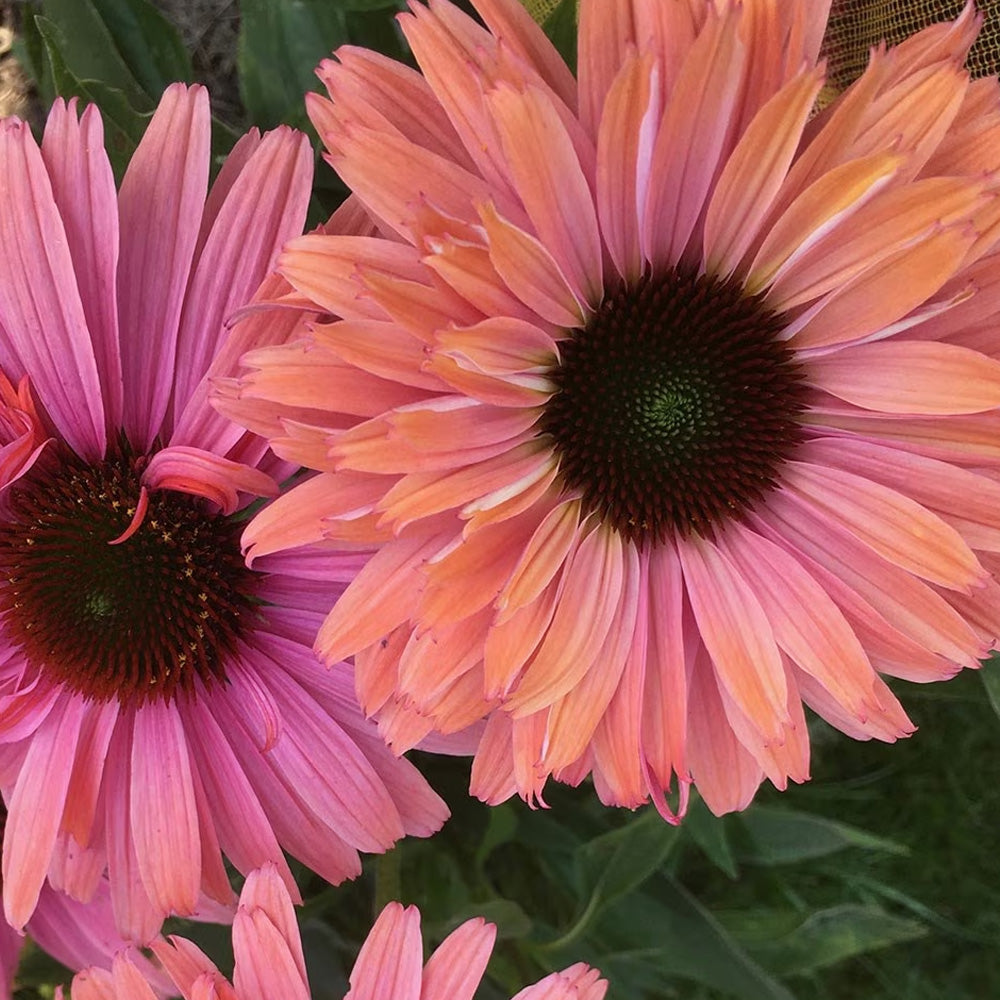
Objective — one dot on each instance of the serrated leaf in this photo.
(280, 44)
(784, 836)
(832, 935)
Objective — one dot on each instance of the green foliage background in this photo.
(879, 880)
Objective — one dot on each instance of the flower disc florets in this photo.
(135, 620)
(675, 406)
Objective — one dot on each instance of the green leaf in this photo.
(560, 26)
(123, 125)
(501, 828)
(149, 44)
(710, 834)
(646, 944)
(783, 836)
(280, 44)
(613, 864)
(832, 935)
(88, 51)
(617, 862)
(990, 676)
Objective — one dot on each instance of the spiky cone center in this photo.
(136, 621)
(675, 406)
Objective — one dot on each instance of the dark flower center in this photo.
(136, 620)
(675, 406)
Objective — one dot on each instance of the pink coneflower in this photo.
(160, 704)
(648, 397)
(269, 963)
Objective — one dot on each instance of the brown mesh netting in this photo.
(857, 25)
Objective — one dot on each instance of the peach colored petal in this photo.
(726, 774)
(326, 268)
(500, 345)
(907, 603)
(867, 306)
(828, 202)
(754, 172)
(807, 624)
(541, 559)
(471, 575)
(910, 377)
(691, 143)
(624, 147)
(530, 271)
(889, 222)
(736, 634)
(389, 175)
(386, 350)
(550, 181)
(890, 523)
(593, 585)
(424, 494)
(384, 594)
(575, 717)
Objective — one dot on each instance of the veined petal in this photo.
(904, 376)
(159, 235)
(736, 634)
(548, 177)
(42, 318)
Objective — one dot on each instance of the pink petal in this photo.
(265, 207)
(754, 173)
(665, 693)
(40, 305)
(36, 806)
(75, 159)
(389, 962)
(910, 377)
(455, 969)
(204, 474)
(160, 205)
(163, 812)
(693, 135)
(548, 177)
(624, 145)
(736, 634)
